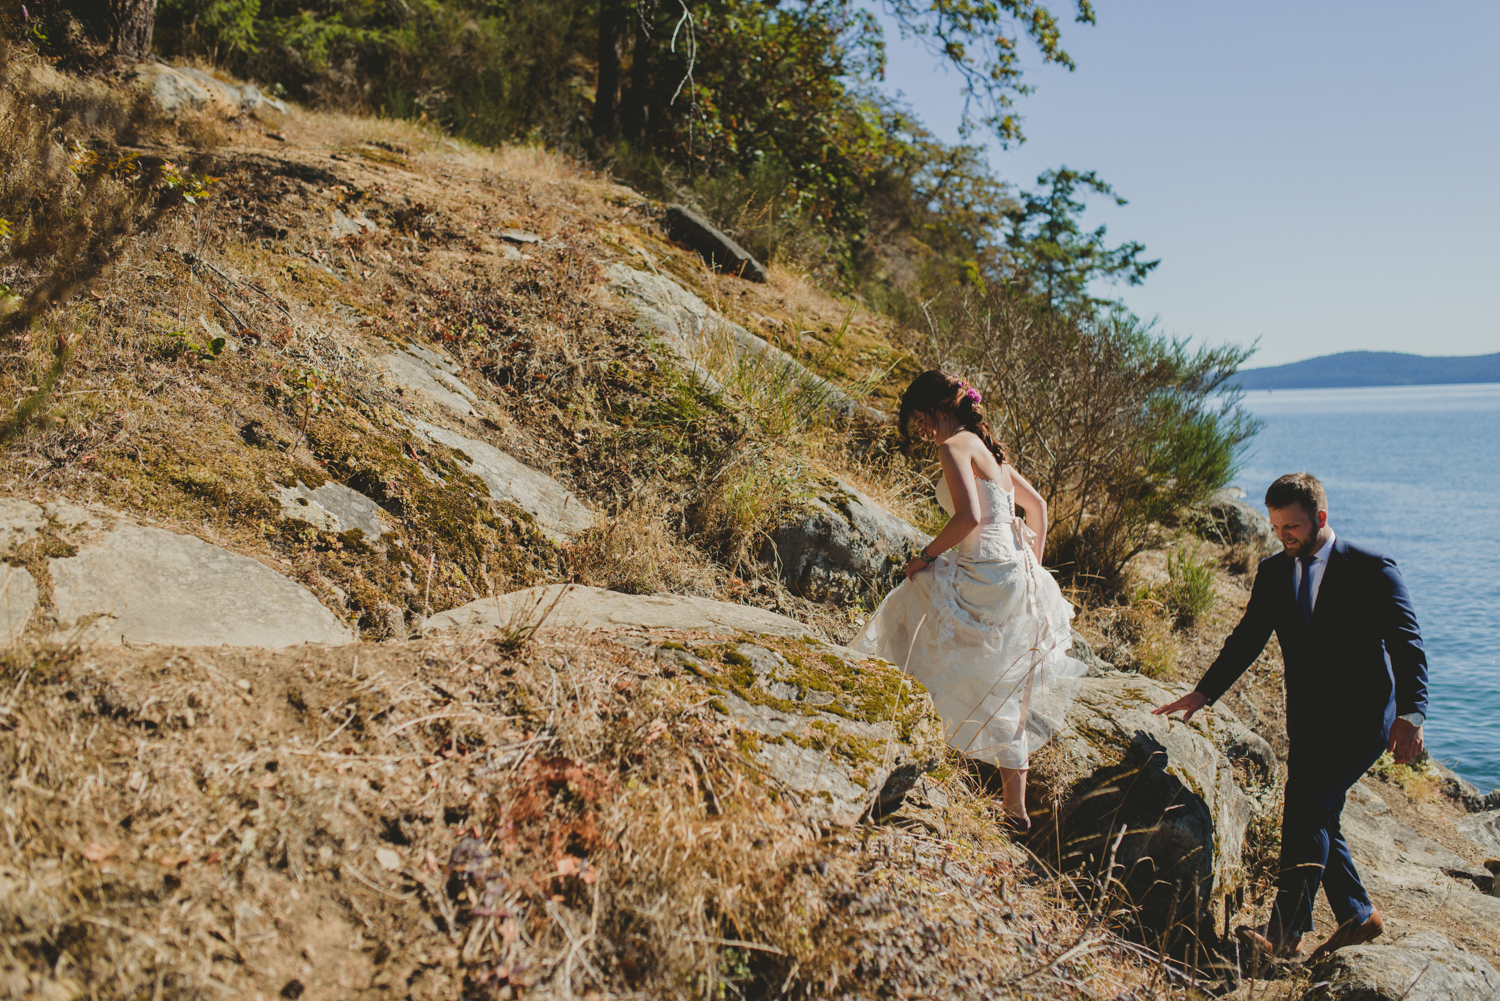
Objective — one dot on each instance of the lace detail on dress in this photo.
(1000, 535)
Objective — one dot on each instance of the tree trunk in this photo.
(612, 18)
(636, 113)
(134, 20)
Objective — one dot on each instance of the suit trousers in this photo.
(1313, 850)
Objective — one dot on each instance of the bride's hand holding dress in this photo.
(982, 625)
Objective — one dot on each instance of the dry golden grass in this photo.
(442, 817)
(637, 552)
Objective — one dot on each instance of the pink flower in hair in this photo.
(970, 391)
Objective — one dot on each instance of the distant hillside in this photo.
(1372, 368)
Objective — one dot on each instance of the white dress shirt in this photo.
(1320, 563)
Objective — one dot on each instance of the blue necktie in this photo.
(1304, 590)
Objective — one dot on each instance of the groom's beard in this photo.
(1304, 547)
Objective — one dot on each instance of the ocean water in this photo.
(1413, 472)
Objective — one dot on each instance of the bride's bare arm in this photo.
(958, 470)
(1036, 508)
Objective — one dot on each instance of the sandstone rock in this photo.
(346, 225)
(1230, 519)
(1183, 794)
(1409, 873)
(237, 97)
(843, 546)
(1081, 650)
(175, 88)
(333, 507)
(253, 99)
(1423, 966)
(712, 244)
(555, 509)
(428, 374)
(705, 339)
(595, 608)
(144, 585)
(19, 522)
(18, 601)
(1483, 829)
(845, 736)
(70, 517)
(517, 236)
(170, 90)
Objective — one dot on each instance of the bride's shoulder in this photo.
(963, 440)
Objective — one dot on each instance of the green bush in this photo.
(1189, 592)
(1118, 426)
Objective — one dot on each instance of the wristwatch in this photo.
(1415, 719)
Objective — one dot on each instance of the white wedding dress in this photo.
(986, 630)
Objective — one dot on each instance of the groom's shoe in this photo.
(1274, 942)
(1349, 933)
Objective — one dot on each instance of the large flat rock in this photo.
(713, 345)
(715, 246)
(19, 522)
(843, 546)
(583, 607)
(1423, 966)
(846, 736)
(546, 500)
(1413, 878)
(144, 585)
(1482, 829)
(177, 88)
(333, 507)
(424, 372)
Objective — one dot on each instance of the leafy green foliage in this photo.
(980, 40)
(1051, 254)
(1118, 425)
(203, 352)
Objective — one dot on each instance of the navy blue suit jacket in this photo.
(1359, 666)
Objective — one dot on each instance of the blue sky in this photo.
(1323, 176)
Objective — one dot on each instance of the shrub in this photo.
(1189, 591)
(1419, 779)
(1118, 426)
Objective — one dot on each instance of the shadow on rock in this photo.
(1135, 837)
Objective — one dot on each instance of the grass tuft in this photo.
(1189, 591)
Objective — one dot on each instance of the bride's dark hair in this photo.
(936, 392)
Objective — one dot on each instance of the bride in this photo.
(978, 620)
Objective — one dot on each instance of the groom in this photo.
(1356, 685)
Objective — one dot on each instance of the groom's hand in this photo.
(1192, 702)
(1406, 741)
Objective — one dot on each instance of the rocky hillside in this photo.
(427, 578)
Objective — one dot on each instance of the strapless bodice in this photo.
(999, 534)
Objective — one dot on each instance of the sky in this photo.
(1317, 177)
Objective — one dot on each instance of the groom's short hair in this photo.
(1298, 488)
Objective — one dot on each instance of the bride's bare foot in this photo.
(1014, 800)
(1016, 823)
